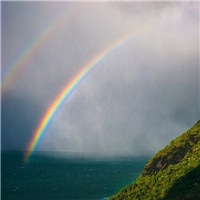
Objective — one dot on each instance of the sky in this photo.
(143, 93)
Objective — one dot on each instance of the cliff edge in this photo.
(172, 174)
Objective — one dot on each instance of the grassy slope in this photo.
(172, 174)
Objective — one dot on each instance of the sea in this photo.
(69, 176)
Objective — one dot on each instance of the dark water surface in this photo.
(72, 177)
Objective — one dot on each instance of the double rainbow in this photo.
(28, 53)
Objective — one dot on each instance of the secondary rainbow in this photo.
(33, 47)
(68, 89)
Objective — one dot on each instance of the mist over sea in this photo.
(73, 176)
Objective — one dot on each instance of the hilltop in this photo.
(172, 174)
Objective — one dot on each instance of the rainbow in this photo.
(69, 88)
(32, 48)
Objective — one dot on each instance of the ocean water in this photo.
(59, 176)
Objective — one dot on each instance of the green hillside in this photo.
(172, 174)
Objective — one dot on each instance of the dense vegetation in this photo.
(172, 174)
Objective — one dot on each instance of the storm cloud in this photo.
(139, 98)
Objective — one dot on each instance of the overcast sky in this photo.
(135, 102)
